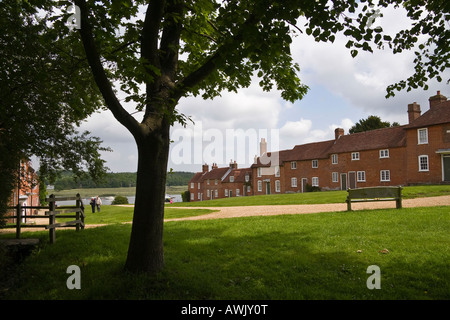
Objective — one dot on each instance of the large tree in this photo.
(159, 51)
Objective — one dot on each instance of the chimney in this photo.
(233, 165)
(205, 168)
(413, 112)
(437, 99)
(214, 166)
(338, 132)
(262, 147)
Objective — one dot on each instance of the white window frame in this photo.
(335, 177)
(258, 172)
(238, 192)
(334, 159)
(315, 163)
(384, 153)
(259, 185)
(192, 196)
(277, 186)
(277, 171)
(422, 139)
(198, 196)
(385, 175)
(426, 164)
(231, 178)
(315, 181)
(216, 193)
(198, 185)
(293, 165)
(294, 182)
(355, 156)
(249, 189)
(226, 192)
(192, 185)
(247, 177)
(361, 176)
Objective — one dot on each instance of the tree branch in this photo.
(100, 77)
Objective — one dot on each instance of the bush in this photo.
(120, 200)
(186, 196)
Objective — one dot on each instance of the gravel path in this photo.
(246, 211)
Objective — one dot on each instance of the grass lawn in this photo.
(312, 256)
(310, 197)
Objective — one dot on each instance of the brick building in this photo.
(415, 153)
(220, 182)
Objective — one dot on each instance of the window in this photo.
(277, 186)
(192, 196)
(207, 182)
(423, 163)
(422, 136)
(293, 165)
(334, 159)
(361, 176)
(215, 182)
(192, 185)
(207, 193)
(259, 185)
(216, 193)
(293, 182)
(198, 185)
(315, 163)
(384, 153)
(385, 175)
(247, 177)
(315, 181)
(226, 192)
(231, 178)
(258, 172)
(238, 191)
(249, 189)
(335, 177)
(277, 171)
(198, 196)
(355, 155)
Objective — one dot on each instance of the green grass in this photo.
(277, 257)
(124, 191)
(310, 197)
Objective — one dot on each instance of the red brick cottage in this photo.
(416, 153)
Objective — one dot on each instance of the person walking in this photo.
(98, 202)
(92, 203)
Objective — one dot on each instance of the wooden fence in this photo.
(52, 214)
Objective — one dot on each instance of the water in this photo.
(109, 200)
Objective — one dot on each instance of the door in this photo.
(304, 183)
(267, 187)
(343, 181)
(352, 179)
(446, 169)
(230, 193)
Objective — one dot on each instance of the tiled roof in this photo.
(216, 173)
(238, 174)
(437, 114)
(197, 177)
(310, 151)
(369, 140)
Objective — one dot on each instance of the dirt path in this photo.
(246, 211)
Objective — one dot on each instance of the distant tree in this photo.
(371, 123)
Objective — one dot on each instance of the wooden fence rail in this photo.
(52, 214)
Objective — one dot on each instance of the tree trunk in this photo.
(145, 252)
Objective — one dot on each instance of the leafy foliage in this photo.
(371, 123)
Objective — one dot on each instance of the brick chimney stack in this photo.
(214, 166)
(205, 168)
(262, 147)
(437, 99)
(233, 165)
(413, 112)
(338, 132)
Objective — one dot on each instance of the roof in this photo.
(391, 137)
(216, 173)
(310, 151)
(437, 114)
(238, 174)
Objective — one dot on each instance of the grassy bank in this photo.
(319, 256)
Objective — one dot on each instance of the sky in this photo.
(343, 90)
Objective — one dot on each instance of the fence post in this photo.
(18, 219)
(77, 214)
(51, 218)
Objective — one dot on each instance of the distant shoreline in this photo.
(110, 192)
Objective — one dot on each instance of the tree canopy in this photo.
(371, 123)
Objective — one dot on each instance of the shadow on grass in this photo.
(284, 257)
